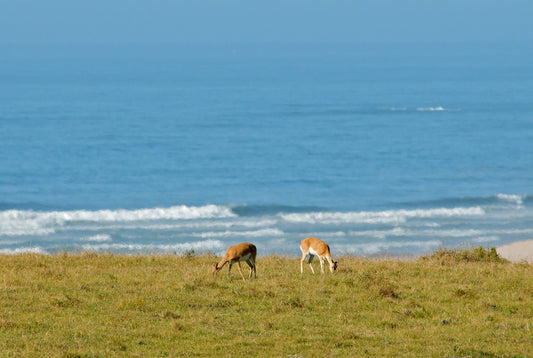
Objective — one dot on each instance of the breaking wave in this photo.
(23, 250)
(277, 229)
(29, 222)
(381, 217)
(431, 109)
(420, 109)
(375, 248)
(207, 245)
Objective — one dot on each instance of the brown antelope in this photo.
(240, 252)
(315, 247)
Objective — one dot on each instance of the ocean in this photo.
(378, 149)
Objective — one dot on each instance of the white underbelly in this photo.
(245, 257)
(313, 252)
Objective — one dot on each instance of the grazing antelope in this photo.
(240, 252)
(315, 247)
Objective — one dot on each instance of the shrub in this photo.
(478, 254)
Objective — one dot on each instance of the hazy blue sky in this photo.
(233, 21)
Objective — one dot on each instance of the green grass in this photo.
(449, 304)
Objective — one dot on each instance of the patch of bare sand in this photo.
(520, 251)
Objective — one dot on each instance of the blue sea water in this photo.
(375, 148)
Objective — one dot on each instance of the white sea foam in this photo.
(381, 234)
(324, 234)
(17, 222)
(404, 232)
(513, 231)
(29, 222)
(517, 199)
(419, 109)
(450, 233)
(341, 218)
(207, 245)
(181, 212)
(380, 217)
(373, 248)
(217, 223)
(143, 231)
(476, 235)
(255, 233)
(97, 238)
(23, 250)
(485, 239)
(431, 109)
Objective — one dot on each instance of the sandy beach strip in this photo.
(520, 251)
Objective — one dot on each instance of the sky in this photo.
(275, 21)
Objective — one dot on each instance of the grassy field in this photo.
(450, 304)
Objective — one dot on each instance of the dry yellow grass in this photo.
(452, 304)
